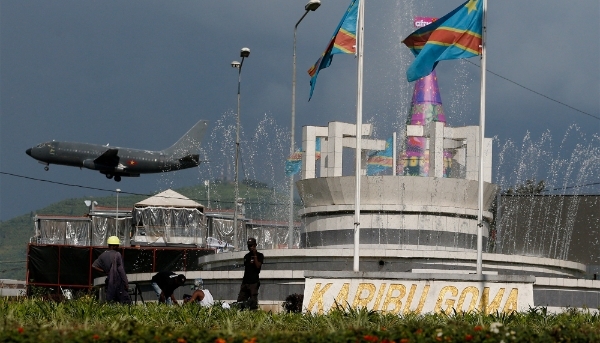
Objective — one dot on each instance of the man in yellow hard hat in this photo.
(110, 263)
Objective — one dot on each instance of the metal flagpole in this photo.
(481, 145)
(394, 161)
(359, 52)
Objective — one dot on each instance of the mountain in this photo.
(261, 202)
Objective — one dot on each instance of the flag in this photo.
(343, 41)
(294, 162)
(456, 35)
(318, 149)
(378, 161)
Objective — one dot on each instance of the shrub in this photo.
(293, 303)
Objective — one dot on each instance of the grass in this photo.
(87, 320)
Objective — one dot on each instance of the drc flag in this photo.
(456, 35)
(342, 42)
(379, 161)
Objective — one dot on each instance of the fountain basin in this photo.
(406, 212)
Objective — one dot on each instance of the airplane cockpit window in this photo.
(41, 145)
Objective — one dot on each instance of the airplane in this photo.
(115, 162)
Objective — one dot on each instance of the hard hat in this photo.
(113, 240)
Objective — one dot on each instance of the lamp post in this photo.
(245, 52)
(117, 215)
(90, 205)
(312, 5)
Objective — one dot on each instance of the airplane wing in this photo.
(109, 158)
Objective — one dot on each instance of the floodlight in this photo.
(235, 64)
(245, 52)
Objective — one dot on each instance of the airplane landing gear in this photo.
(46, 168)
(118, 178)
(108, 176)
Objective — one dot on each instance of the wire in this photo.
(538, 93)
(570, 187)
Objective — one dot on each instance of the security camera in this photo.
(235, 64)
(245, 52)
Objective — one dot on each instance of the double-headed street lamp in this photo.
(245, 52)
(312, 5)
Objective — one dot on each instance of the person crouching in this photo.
(165, 284)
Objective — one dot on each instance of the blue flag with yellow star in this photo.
(456, 35)
(343, 41)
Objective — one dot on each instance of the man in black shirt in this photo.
(164, 284)
(250, 283)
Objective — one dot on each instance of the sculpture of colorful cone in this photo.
(426, 106)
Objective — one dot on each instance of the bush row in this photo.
(86, 320)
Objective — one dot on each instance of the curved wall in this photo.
(396, 212)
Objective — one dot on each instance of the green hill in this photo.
(261, 201)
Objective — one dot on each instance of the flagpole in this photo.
(481, 144)
(394, 160)
(359, 52)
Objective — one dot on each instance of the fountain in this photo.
(418, 234)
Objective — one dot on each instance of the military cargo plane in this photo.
(115, 162)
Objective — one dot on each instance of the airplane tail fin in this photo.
(190, 142)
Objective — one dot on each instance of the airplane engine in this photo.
(89, 164)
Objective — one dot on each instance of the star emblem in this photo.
(471, 6)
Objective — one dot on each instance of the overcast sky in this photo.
(140, 73)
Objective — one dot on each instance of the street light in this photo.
(245, 52)
(117, 214)
(312, 5)
(90, 205)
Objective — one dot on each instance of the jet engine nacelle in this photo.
(90, 164)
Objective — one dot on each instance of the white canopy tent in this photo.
(169, 219)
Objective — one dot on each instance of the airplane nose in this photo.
(28, 151)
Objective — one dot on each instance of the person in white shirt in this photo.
(202, 297)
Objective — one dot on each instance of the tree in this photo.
(528, 188)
